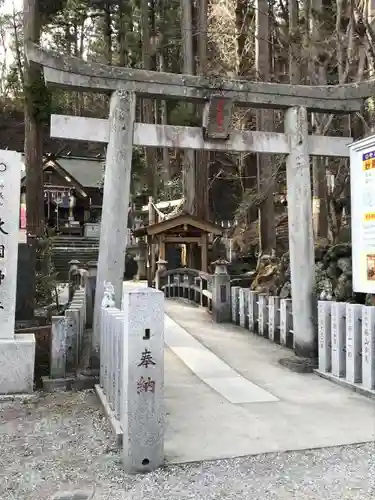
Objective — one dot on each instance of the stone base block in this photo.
(299, 365)
(77, 383)
(57, 384)
(358, 387)
(17, 361)
(113, 422)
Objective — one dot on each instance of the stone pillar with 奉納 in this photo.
(142, 405)
(17, 352)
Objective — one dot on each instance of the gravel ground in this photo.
(62, 441)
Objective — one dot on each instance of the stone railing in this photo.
(190, 284)
(268, 316)
(347, 344)
(131, 384)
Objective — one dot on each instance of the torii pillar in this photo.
(114, 223)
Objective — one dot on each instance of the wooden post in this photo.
(162, 247)
(204, 253)
(113, 229)
(301, 241)
(152, 259)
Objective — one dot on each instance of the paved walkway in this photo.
(227, 396)
(212, 370)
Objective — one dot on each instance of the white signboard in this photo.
(362, 186)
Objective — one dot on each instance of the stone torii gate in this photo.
(121, 133)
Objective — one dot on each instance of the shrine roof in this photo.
(176, 221)
(86, 172)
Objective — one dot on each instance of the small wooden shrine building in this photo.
(184, 230)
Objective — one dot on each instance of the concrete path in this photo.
(271, 409)
(211, 369)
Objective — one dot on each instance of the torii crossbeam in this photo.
(76, 74)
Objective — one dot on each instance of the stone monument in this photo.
(143, 398)
(17, 352)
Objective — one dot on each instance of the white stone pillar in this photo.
(368, 347)
(108, 349)
(253, 311)
(286, 322)
(243, 306)
(338, 333)
(17, 352)
(263, 314)
(324, 326)
(235, 304)
(58, 347)
(274, 319)
(114, 223)
(353, 343)
(10, 185)
(72, 325)
(118, 318)
(142, 407)
(301, 240)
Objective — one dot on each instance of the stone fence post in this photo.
(160, 273)
(141, 259)
(221, 300)
(92, 268)
(74, 277)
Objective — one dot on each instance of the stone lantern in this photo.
(221, 305)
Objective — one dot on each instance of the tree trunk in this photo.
(294, 43)
(318, 72)
(107, 28)
(266, 171)
(188, 68)
(122, 33)
(34, 91)
(202, 158)
(163, 67)
(148, 105)
(17, 45)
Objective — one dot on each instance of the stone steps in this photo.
(74, 242)
(67, 248)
